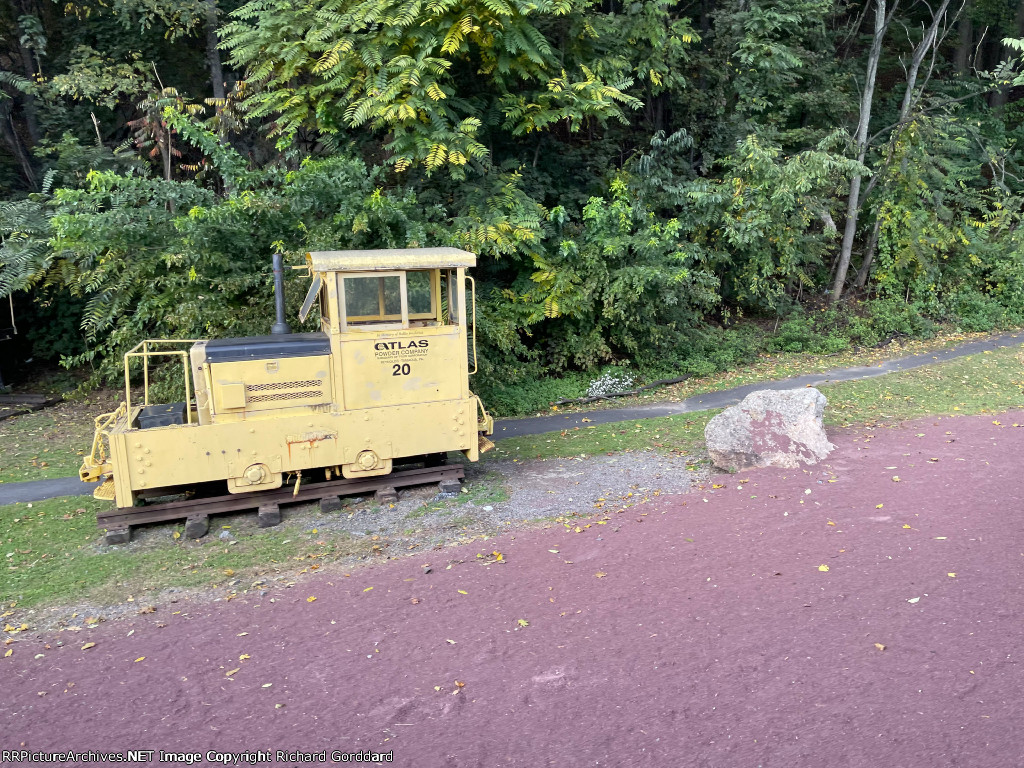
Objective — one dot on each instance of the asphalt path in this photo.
(37, 490)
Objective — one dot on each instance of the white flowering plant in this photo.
(610, 382)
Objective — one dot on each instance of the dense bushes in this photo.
(645, 192)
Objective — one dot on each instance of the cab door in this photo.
(401, 343)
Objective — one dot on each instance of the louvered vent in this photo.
(285, 390)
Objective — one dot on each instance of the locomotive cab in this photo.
(386, 378)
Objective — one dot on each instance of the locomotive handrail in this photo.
(473, 314)
(93, 466)
(147, 353)
(485, 423)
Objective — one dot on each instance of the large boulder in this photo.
(779, 428)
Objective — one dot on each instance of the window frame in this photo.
(382, 321)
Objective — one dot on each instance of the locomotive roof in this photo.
(395, 258)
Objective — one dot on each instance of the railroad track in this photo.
(196, 511)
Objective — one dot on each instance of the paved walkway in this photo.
(36, 490)
(825, 616)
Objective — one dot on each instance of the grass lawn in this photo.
(54, 554)
(988, 382)
(51, 442)
(784, 365)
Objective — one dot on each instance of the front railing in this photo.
(143, 350)
(97, 463)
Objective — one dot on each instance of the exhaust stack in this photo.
(279, 326)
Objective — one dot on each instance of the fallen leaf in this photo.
(879, 646)
(177, 534)
(523, 623)
(232, 672)
(244, 656)
(460, 684)
(87, 646)
(463, 592)
(9, 652)
(367, 589)
(823, 567)
(266, 685)
(141, 658)
(905, 525)
(951, 575)
(895, 478)
(312, 599)
(829, 523)
(553, 551)
(913, 599)
(879, 506)
(600, 574)
(241, 634)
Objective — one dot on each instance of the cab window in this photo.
(389, 299)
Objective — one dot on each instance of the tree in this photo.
(430, 78)
(911, 98)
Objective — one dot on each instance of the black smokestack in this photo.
(279, 326)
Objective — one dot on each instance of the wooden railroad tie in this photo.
(197, 511)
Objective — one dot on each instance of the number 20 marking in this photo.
(400, 370)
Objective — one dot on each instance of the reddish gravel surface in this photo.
(683, 632)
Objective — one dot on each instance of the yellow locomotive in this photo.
(385, 378)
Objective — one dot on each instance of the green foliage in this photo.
(428, 76)
(532, 395)
(170, 260)
(622, 283)
(101, 80)
(631, 187)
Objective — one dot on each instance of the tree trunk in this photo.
(861, 141)
(869, 256)
(962, 57)
(28, 102)
(1001, 53)
(13, 140)
(167, 151)
(213, 52)
(927, 41)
